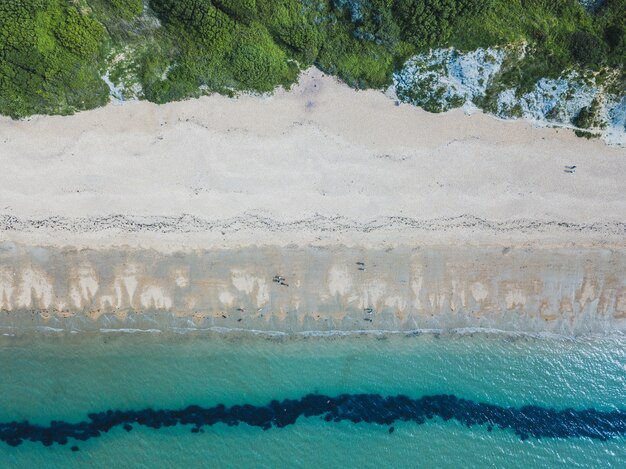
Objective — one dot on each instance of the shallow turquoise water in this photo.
(65, 378)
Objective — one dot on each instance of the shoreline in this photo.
(568, 291)
(10, 336)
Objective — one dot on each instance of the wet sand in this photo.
(315, 289)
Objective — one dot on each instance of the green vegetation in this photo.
(53, 53)
(126, 9)
(587, 118)
(559, 34)
(48, 55)
(611, 24)
(587, 48)
(219, 46)
(432, 22)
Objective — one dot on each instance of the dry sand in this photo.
(279, 170)
(198, 204)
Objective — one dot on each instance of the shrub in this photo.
(614, 35)
(49, 57)
(587, 49)
(126, 9)
(257, 62)
(429, 22)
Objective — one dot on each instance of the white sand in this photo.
(319, 151)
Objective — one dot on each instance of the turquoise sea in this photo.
(64, 378)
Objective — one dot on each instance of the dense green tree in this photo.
(430, 22)
(222, 46)
(587, 48)
(614, 36)
(126, 9)
(292, 26)
(257, 62)
(612, 18)
(54, 52)
(199, 21)
(48, 58)
(79, 33)
(243, 11)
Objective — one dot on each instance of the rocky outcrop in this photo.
(590, 103)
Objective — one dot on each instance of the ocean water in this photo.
(66, 377)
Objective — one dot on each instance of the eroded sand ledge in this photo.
(180, 216)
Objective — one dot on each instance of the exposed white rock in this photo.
(557, 100)
(446, 78)
(591, 4)
(615, 132)
(116, 92)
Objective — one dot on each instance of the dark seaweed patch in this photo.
(526, 422)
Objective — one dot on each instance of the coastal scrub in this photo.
(60, 56)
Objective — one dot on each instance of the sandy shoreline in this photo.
(108, 216)
(296, 289)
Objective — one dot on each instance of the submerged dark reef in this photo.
(526, 422)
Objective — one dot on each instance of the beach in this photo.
(381, 213)
(318, 278)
